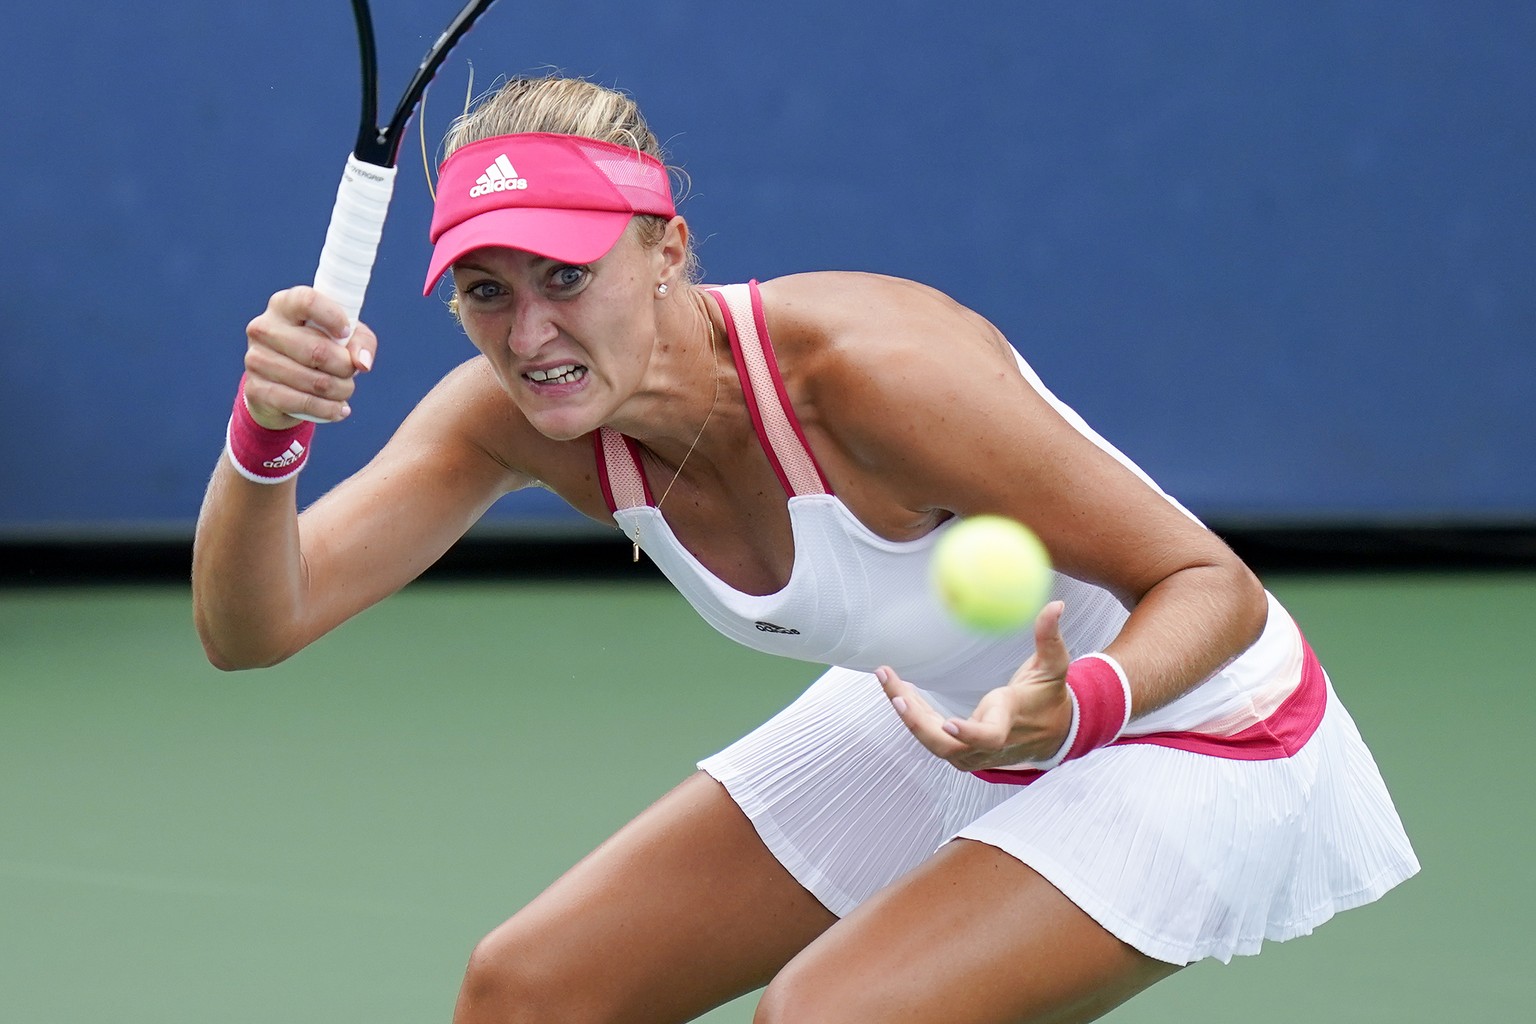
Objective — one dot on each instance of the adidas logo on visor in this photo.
(499, 177)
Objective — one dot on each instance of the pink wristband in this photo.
(261, 455)
(1101, 698)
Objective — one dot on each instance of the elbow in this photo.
(229, 653)
(227, 662)
(224, 664)
(216, 657)
(1249, 599)
(230, 660)
(1253, 588)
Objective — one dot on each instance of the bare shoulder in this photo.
(853, 346)
(830, 326)
(840, 304)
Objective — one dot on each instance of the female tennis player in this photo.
(944, 827)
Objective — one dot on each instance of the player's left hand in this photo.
(1025, 720)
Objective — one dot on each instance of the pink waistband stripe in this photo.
(1280, 735)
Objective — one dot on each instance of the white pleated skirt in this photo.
(1182, 855)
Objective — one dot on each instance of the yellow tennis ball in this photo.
(992, 573)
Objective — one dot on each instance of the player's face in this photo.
(570, 343)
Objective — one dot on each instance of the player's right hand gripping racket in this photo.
(362, 200)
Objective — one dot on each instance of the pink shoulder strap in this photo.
(618, 463)
(618, 470)
(773, 417)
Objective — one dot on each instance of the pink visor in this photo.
(562, 196)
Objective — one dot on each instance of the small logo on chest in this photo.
(771, 627)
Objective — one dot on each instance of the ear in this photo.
(672, 253)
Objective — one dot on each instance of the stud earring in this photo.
(661, 289)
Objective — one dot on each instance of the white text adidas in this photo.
(294, 453)
(499, 177)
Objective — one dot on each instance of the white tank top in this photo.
(857, 600)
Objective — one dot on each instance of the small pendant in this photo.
(636, 556)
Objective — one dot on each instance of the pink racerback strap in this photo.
(618, 463)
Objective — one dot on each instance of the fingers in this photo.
(362, 346)
(918, 715)
(1050, 646)
(1023, 721)
(307, 306)
(933, 730)
(276, 389)
(301, 357)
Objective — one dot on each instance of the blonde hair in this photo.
(569, 106)
(564, 106)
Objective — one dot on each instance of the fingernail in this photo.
(346, 410)
(346, 332)
(952, 728)
(365, 360)
(900, 704)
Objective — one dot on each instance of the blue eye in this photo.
(483, 291)
(567, 276)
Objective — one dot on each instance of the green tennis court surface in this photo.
(326, 840)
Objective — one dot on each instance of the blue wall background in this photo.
(1282, 254)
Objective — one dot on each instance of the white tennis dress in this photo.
(1248, 809)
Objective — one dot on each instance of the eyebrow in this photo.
(470, 264)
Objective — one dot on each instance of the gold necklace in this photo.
(715, 366)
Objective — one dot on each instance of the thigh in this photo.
(682, 910)
(973, 936)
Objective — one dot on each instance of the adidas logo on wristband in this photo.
(294, 453)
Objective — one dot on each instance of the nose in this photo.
(531, 328)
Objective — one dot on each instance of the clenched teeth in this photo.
(557, 374)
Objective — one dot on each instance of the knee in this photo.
(775, 1006)
(796, 996)
(507, 982)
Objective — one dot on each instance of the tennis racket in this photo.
(368, 182)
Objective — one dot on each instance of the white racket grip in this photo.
(352, 240)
